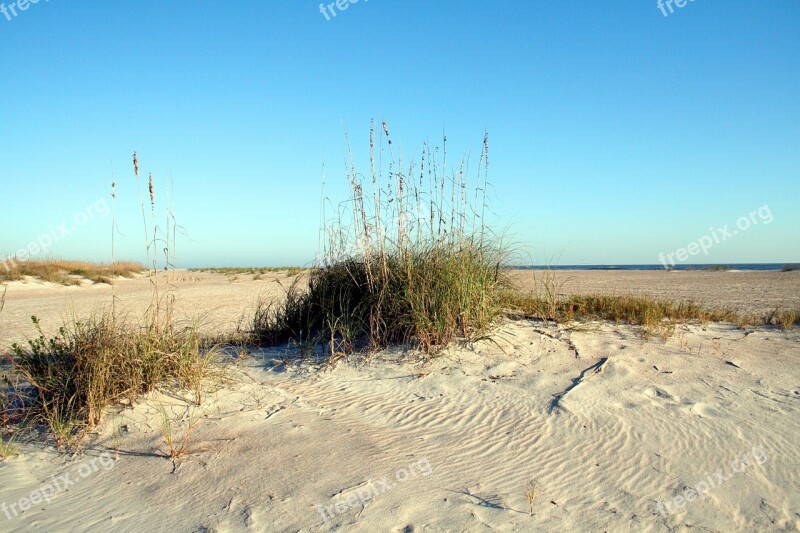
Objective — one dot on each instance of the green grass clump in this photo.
(89, 365)
(416, 264)
(426, 297)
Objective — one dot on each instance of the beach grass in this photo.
(289, 271)
(66, 382)
(68, 272)
(74, 376)
(426, 297)
(177, 445)
(413, 264)
(650, 313)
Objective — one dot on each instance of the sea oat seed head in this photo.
(152, 191)
(386, 131)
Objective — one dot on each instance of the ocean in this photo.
(730, 266)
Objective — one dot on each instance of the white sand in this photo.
(453, 445)
(277, 443)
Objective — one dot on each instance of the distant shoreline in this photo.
(709, 267)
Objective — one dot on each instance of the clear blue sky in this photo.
(616, 132)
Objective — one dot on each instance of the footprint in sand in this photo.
(705, 410)
(659, 395)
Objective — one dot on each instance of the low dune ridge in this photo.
(604, 429)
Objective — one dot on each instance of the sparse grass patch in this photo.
(254, 271)
(177, 447)
(785, 318)
(636, 310)
(652, 314)
(7, 447)
(68, 272)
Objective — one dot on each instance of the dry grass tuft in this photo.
(785, 318)
(655, 316)
(177, 447)
(532, 491)
(7, 448)
(68, 272)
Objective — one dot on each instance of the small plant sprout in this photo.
(7, 447)
(177, 447)
(531, 493)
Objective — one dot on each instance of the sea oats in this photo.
(386, 131)
(152, 192)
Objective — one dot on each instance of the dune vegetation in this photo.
(68, 272)
(64, 383)
(409, 259)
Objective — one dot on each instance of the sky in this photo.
(618, 131)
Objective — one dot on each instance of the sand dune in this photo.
(609, 429)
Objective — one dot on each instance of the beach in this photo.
(589, 426)
(398, 267)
